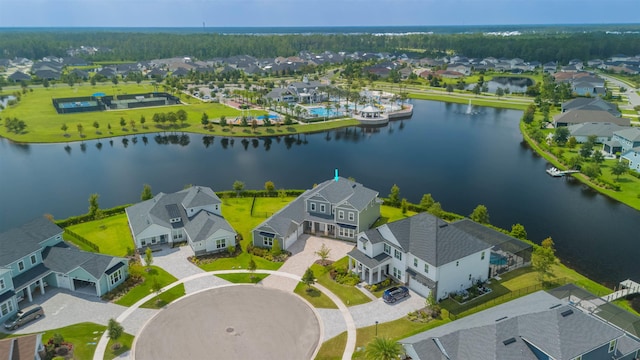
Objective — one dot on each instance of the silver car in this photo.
(24, 316)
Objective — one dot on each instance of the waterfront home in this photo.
(34, 256)
(192, 215)
(335, 208)
(537, 326)
(632, 156)
(588, 116)
(602, 131)
(428, 254)
(595, 103)
(623, 141)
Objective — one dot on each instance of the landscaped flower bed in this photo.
(469, 294)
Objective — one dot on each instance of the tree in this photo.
(426, 201)
(435, 209)
(618, 169)
(529, 114)
(123, 122)
(252, 267)
(404, 206)
(381, 348)
(597, 157)
(499, 92)
(133, 124)
(572, 142)
(80, 128)
(142, 121)
(282, 194)
(96, 125)
(146, 192)
(269, 186)
(394, 196)
(148, 258)
(276, 250)
(309, 278)
(238, 186)
(586, 150)
(115, 330)
(561, 135)
(480, 214)
(592, 170)
(323, 253)
(518, 232)
(449, 88)
(64, 128)
(543, 258)
(93, 205)
(204, 120)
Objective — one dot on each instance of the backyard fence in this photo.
(79, 238)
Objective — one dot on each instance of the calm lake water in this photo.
(462, 160)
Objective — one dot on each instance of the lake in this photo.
(462, 160)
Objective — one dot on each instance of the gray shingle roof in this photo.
(24, 240)
(205, 224)
(631, 134)
(597, 129)
(590, 104)
(63, 258)
(199, 196)
(529, 319)
(367, 261)
(431, 239)
(590, 116)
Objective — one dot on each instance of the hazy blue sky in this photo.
(215, 13)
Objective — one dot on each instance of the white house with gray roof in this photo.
(534, 327)
(34, 256)
(335, 208)
(192, 215)
(425, 253)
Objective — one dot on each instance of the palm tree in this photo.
(382, 348)
(327, 108)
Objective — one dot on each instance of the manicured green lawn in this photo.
(126, 342)
(464, 99)
(111, 234)
(240, 262)
(390, 214)
(243, 278)
(314, 296)
(165, 298)
(145, 288)
(83, 336)
(349, 295)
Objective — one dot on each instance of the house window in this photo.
(469, 277)
(612, 345)
(482, 256)
(267, 241)
(2, 285)
(387, 249)
(397, 273)
(216, 207)
(143, 242)
(415, 262)
(340, 214)
(344, 232)
(34, 259)
(352, 217)
(426, 268)
(322, 208)
(21, 265)
(115, 277)
(221, 243)
(397, 254)
(457, 263)
(364, 246)
(313, 206)
(6, 307)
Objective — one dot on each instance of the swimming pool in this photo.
(271, 117)
(497, 259)
(322, 112)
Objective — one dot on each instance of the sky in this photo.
(276, 13)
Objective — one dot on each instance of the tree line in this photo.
(123, 46)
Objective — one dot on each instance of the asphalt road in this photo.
(236, 322)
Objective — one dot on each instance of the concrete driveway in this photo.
(304, 255)
(367, 314)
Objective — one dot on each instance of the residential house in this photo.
(577, 63)
(461, 68)
(623, 141)
(27, 347)
(602, 131)
(47, 74)
(590, 104)
(19, 76)
(588, 86)
(633, 158)
(588, 116)
(430, 255)
(335, 208)
(533, 327)
(80, 74)
(549, 67)
(34, 256)
(449, 74)
(74, 61)
(192, 215)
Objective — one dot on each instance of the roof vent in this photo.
(502, 318)
(566, 313)
(555, 306)
(443, 225)
(509, 341)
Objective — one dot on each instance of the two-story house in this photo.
(335, 208)
(538, 326)
(192, 215)
(424, 252)
(34, 256)
(623, 140)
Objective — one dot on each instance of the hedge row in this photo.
(445, 215)
(74, 220)
(258, 193)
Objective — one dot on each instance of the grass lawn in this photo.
(349, 295)
(83, 336)
(477, 101)
(126, 342)
(165, 298)
(390, 214)
(314, 296)
(245, 278)
(111, 234)
(145, 288)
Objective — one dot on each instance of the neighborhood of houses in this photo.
(430, 256)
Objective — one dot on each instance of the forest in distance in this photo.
(138, 46)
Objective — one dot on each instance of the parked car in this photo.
(24, 316)
(395, 293)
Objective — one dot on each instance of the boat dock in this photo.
(559, 173)
(627, 287)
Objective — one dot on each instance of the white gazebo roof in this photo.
(370, 109)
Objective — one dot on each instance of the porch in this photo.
(320, 228)
(26, 283)
(370, 270)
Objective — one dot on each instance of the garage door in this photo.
(85, 287)
(419, 288)
(63, 281)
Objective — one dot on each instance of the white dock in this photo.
(558, 173)
(627, 287)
